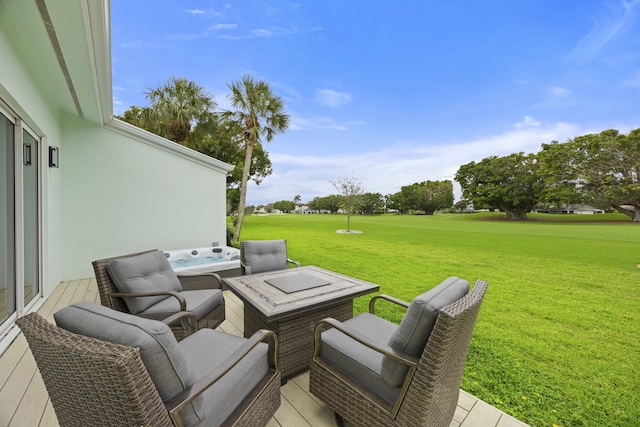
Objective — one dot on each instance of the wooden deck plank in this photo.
(14, 389)
(49, 418)
(35, 401)
(482, 414)
(296, 391)
(25, 402)
(11, 358)
(53, 301)
(287, 415)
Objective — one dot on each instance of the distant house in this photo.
(77, 184)
(305, 210)
(575, 209)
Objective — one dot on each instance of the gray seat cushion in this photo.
(358, 361)
(264, 255)
(204, 351)
(148, 272)
(199, 302)
(175, 366)
(166, 363)
(416, 325)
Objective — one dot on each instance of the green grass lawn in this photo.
(557, 340)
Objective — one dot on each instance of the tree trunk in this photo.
(243, 190)
(178, 132)
(634, 213)
(516, 215)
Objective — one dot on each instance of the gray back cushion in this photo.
(416, 325)
(148, 272)
(159, 350)
(264, 255)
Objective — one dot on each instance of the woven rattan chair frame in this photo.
(97, 383)
(92, 382)
(432, 392)
(108, 297)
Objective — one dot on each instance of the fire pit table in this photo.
(290, 302)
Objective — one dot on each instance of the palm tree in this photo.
(261, 114)
(176, 104)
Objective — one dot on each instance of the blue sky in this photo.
(393, 93)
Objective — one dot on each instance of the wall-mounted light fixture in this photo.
(54, 161)
(26, 154)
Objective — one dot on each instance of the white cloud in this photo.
(403, 163)
(217, 27)
(320, 122)
(615, 22)
(527, 121)
(272, 32)
(332, 98)
(132, 44)
(559, 92)
(262, 32)
(194, 11)
(118, 107)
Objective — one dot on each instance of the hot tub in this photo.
(190, 263)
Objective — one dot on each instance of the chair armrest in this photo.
(397, 301)
(174, 294)
(295, 263)
(187, 320)
(245, 268)
(179, 401)
(211, 274)
(405, 359)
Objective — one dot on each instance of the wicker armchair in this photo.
(92, 382)
(174, 301)
(426, 393)
(257, 256)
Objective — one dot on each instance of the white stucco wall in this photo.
(123, 194)
(19, 91)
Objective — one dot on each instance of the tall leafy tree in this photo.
(434, 195)
(142, 118)
(177, 103)
(328, 203)
(461, 205)
(261, 114)
(285, 206)
(371, 203)
(427, 196)
(397, 202)
(602, 169)
(511, 183)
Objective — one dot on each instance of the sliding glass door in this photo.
(19, 217)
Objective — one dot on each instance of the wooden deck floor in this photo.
(24, 401)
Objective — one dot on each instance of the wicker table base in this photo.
(295, 334)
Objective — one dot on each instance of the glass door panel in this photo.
(30, 216)
(7, 221)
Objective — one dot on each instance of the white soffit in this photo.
(65, 47)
